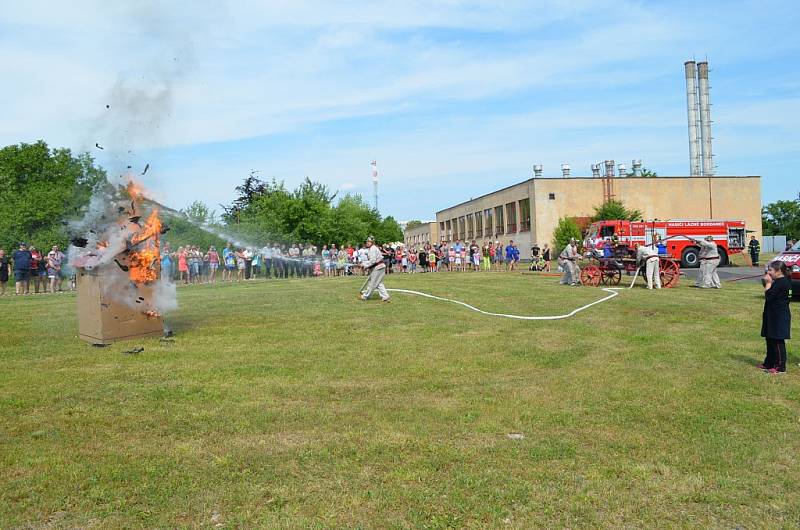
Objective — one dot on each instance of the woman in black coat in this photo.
(776, 323)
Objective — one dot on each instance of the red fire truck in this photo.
(675, 233)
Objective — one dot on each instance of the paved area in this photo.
(727, 274)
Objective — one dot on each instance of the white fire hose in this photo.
(613, 292)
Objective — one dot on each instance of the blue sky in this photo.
(452, 98)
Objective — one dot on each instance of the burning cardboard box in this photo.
(118, 274)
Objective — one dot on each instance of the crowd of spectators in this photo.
(34, 272)
(30, 267)
(191, 265)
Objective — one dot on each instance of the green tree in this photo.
(566, 229)
(413, 224)
(267, 211)
(40, 189)
(388, 231)
(614, 209)
(782, 218)
(199, 213)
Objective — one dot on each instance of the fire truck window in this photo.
(607, 231)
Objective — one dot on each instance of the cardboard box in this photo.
(103, 320)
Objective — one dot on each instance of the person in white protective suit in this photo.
(648, 258)
(376, 268)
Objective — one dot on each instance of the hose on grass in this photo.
(613, 292)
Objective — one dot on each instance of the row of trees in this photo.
(42, 189)
(311, 213)
(782, 218)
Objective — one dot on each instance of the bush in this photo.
(567, 229)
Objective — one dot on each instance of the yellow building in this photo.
(528, 212)
(422, 234)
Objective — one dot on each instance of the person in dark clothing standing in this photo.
(754, 248)
(776, 323)
(22, 268)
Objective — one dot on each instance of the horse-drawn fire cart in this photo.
(608, 270)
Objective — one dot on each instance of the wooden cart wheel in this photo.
(612, 276)
(670, 272)
(591, 275)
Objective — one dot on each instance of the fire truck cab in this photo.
(676, 235)
(791, 258)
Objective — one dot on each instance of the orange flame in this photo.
(135, 190)
(145, 261)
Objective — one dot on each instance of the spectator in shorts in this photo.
(241, 264)
(229, 257)
(38, 270)
(22, 269)
(326, 261)
(475, 251)
(54, 259)
(511, 256)
(546, 257)
(498, 255)
(412, 261)
(213, 264)
(5, 268)
(433, 260)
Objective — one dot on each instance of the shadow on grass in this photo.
(750, 360)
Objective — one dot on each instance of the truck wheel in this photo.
(723, 257)
(690, 258)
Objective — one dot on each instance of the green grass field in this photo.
(291, 404)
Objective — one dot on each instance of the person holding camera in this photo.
(776, 321)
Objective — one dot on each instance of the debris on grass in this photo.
(516, 436)
(133, 351)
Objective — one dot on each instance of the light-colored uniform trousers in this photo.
(375, 282)
(566, 278)
(572, 273)
(708, 277)
(653, 272)
(709, 261)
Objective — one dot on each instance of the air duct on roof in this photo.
(637, 167)
(537, 171)
(609, 164)
(565, 170)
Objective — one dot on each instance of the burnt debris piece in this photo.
(97, 145)
(146, 167)
(79, 242)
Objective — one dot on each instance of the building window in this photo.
(462, 227)
(470, 226)
(455, 230)
(524, 215)
(551, 196)
(478, 224)
(487, 214)
(498, 220)
(511, 214)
